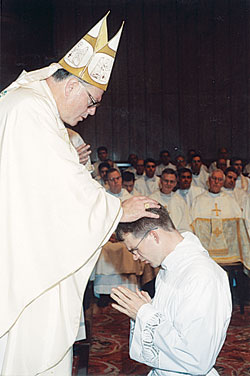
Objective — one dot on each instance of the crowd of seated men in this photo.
(207, 199)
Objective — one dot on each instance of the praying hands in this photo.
(129, 302)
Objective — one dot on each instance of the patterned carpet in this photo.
(109, 348)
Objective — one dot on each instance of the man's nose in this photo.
(91, 111)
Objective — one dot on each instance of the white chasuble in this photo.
(218, 224)
(54, 219)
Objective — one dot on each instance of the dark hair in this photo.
(180, 155)
(112, 169)
(231, 168)
(234, 159)
(61, 74)
(102, 148)
(195, 156)
(103, 164)
(183, 170)
(169, 171)
(142, 225)
(163, 152)
(151, 160)
(128, 176)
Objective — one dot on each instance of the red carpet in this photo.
(109, 349)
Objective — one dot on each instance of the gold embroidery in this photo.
(216, 210)
(217, 232)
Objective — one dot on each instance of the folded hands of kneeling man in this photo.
(129, 302)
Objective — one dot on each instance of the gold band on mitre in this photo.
(92, 58)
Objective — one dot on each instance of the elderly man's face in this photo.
(168, 182)
(77, 102)
(185, 180)
(230, 180)
(216, 181)
(115, 182)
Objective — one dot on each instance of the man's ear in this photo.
(155, 236)
(71, 86)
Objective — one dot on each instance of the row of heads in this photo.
(171, 180)
(194, 159)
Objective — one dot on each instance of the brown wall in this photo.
(181, 79)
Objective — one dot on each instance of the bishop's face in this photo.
(79, 102)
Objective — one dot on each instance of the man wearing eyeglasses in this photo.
(54, 216)
(180, 331)
(115, 185)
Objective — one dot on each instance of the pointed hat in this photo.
(92, 58)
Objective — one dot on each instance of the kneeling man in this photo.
(182, 330)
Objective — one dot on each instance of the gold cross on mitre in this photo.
(92, 58)
(216, 210)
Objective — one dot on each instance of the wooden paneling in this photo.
(180, 80)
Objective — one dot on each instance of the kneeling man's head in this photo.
(150, 239)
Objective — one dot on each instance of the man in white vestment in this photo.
(215, 203)
(114, 180)
(128, 182)
(54, 217)
(149, 182)
(180, 203)
(240, 196)
(164, 162)
(242, 181)
(200, 176)
(168, 181)
(217, 221)
(182, 330)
